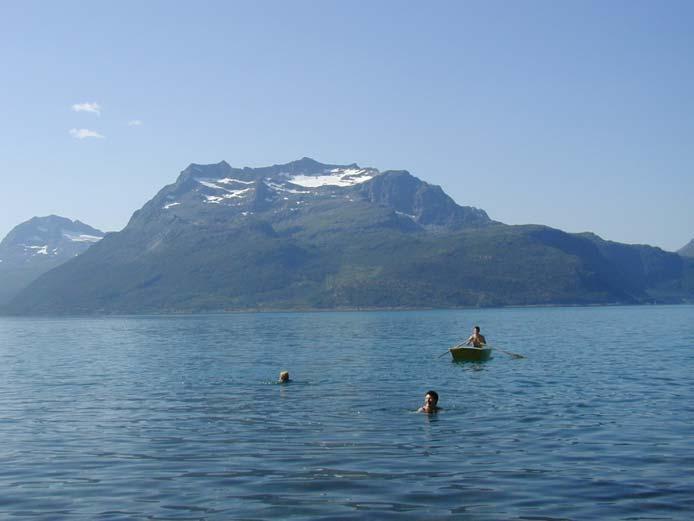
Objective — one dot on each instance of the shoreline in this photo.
(350, 309)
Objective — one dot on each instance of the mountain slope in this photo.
(687, 250)
(38, 245)
(309, 235)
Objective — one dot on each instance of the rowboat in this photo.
(470, 354)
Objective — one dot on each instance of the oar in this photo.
(514, 355)
(447, 351)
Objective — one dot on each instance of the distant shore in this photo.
(345, 309)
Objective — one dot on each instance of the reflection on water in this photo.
(182, 418)
(473, 366)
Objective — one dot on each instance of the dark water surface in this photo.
(177, 417)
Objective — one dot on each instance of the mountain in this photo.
(687, 250)
(311, 235)
(37, 246)
(214, 193)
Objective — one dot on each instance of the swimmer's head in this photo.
(284, 376)
(431, 398)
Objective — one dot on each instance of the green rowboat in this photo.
(470, 354)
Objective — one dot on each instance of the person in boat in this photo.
(284, 378)
(476, 339)
(431, 399)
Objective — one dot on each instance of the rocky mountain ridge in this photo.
(307, 235)
(39, 245)
(221, 191)
(687, 250)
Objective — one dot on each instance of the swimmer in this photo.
(284, 378)
(431, 399)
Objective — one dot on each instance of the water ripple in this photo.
(179, 417)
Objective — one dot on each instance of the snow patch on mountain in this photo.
(230, 194)
(237, 193)
(38, 250)
(403, 214)
(280, 188)
(210, 184)
(335, 177)
(222, 185)
(229, 180)
(82, 237)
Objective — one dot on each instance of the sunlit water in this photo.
(178, 417)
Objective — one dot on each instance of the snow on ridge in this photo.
(229, 180)
(336, 177)
(38, 250)
(209, 184)
(281, 188)
(236, 193)
(167, 206)
(215, 183)
(229, 195)
(228, 192)
(82, 237)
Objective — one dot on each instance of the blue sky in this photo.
(578, 115)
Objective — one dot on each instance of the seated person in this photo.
(476, 339)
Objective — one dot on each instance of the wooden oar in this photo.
(514, 355)
(446, 352)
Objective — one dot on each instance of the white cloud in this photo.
(134, 122)
(81, 133)
(93, 107)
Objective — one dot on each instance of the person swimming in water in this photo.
(284, 378)
(431, 399)
(476, 339)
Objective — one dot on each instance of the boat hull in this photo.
(470, 354)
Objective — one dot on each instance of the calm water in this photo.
(177, 417)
